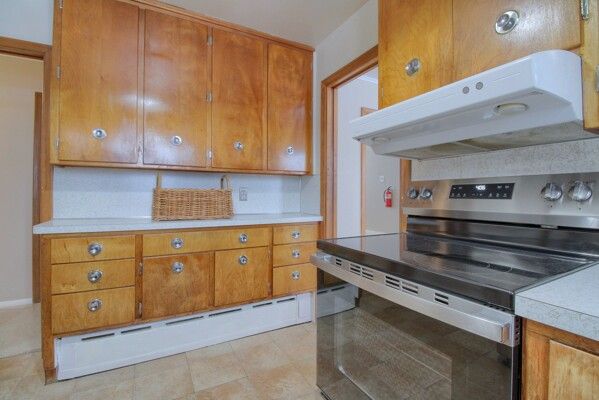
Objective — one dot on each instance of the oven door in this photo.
(369, 347)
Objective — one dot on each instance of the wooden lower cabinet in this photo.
(293, 279)
(558, 364)
(95, 309)
(293, 253)
(81, 277)
(241, 275)
(177, 284)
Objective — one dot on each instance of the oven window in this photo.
(370, 348)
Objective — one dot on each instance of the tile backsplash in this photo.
(124, 193)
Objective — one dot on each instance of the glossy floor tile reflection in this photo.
(275, 365)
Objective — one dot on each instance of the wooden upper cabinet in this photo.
(238, 101)
(175, 87)
(543, 25)
(419, 32)
(289, 108)
(98, 81)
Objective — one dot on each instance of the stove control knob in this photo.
(552, 192)
(426, 194)
(413, 193)
(580, 191)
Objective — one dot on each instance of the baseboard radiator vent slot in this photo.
(392, 282)
(101, 351)
(409, 287)
(441, 298)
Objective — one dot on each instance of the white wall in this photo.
(122, 193)
(351, 98)
(353, 38)
(27, 20)
(20, 78)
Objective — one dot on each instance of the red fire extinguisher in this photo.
(388, 197)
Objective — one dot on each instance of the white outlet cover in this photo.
(243, 194)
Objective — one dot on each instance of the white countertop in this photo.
(570, 303)
(62, 226)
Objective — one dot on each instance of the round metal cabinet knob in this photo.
(177, 243)
(295, 275)
(94, 276)
(94, 249)
(243, 260)
(177, 140)
(506, 22)
(290, 150)
(426, 194)
(580, 191)
(94, 305)
(412, 66)
(243, 238)
(177, 267)
(413, 193)
(552, 192)
(295, 254)
(99, 133)
(238, 146)
(295, 235)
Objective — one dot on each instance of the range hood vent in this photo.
(534, 100)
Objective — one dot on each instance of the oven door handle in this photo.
(462, 313)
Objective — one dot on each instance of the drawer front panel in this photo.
(80, 277)
(241, 275)
(177, 284)
(192, 242)
(74, 312)
(290, 254)
(83, 249)
(293, 279)
(295, 234)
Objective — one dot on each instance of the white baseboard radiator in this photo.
(101, 351)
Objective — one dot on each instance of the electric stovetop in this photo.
(488, 273)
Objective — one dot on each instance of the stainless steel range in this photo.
(429, 314)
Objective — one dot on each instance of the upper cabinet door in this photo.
(289, 108)
(98, 81)
(175, 88)
(541, 25)
(239, 101)
(415, 48)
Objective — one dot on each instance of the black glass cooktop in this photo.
(484, 272)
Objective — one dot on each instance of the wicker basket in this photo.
(184, 204)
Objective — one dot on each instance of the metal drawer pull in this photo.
(295, 234)
(94, 305)
(506, 22)
(243, 260)
(99, 133)
(238, 146)
(94, 275)
(177, 243)
(177, 267)
(295, 275)
(290, 150)
(243, 238)
(295, 254)
(176, 140)
(94, 249)
(412, 66)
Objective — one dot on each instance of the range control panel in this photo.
(495, 191)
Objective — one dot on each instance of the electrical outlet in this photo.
(243, 194)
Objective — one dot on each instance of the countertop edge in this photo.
(53, 227)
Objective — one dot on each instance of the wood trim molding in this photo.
(363, 111)
(328, 133)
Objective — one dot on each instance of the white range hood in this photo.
(533, 100)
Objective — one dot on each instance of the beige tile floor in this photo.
(19, 330)
(274, 365)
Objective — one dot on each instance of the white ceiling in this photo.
(305, 21)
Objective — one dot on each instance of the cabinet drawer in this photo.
(80, 277)
(177, 284)
(289, 254)
(295, 234)
(193, 242)
(70, 250)
(74, 312)
(293, 279)
(241, 275)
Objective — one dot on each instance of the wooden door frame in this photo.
(328, 136)
(42, 179)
